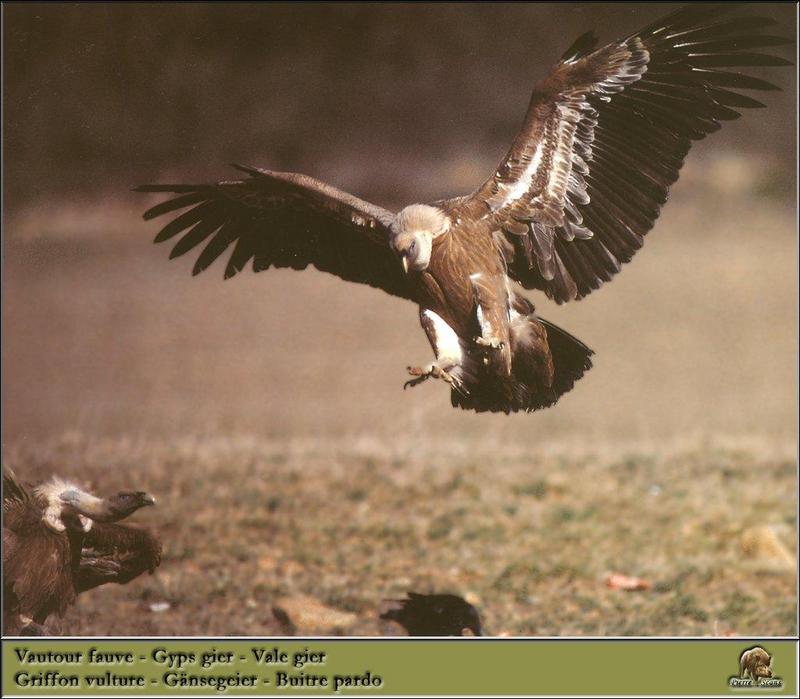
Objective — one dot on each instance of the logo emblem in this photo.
(755, 670)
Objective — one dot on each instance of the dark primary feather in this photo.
(624, 126)
(274, 219)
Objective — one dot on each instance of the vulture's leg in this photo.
(491, 302)
(447, 347)
(491, 311)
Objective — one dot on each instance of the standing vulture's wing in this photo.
(15, 494)
(19, 510)
(279, 219)
(605, 136)
(114, 553)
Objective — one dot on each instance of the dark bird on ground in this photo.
(604, 137)
(434, 615)
(59, 541)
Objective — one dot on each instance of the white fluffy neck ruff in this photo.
(420, 218)
(50, 492)
(52, 489)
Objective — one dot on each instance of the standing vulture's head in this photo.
(111, 509)
(413, 231)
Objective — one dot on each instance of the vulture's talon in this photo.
(457, 384)
(432, 371)
(415, 382)
(490, 343)
(421, 374)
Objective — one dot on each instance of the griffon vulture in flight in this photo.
(59, 541)
(604, 137)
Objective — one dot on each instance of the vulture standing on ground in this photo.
(59, 541)
(604, 137)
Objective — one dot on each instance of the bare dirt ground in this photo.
(266, 414)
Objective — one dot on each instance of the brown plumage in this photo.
(116, 553)
(604, 137)
(52, 551)
(37, 561)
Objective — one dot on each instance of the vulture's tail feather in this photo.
(546, 363)
(571, 358)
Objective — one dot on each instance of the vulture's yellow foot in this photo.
(433, 371)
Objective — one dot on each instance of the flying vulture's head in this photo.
(413, 231)
(111, 509)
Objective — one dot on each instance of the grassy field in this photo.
(266, 414)
(528, 535)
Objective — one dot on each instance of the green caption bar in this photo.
(39, 667)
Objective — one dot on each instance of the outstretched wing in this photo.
(115, 553)
(605, 136)
(279, 219)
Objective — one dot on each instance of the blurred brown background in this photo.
(101, 96)
(104, 339)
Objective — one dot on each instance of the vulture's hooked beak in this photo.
(148, 499)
